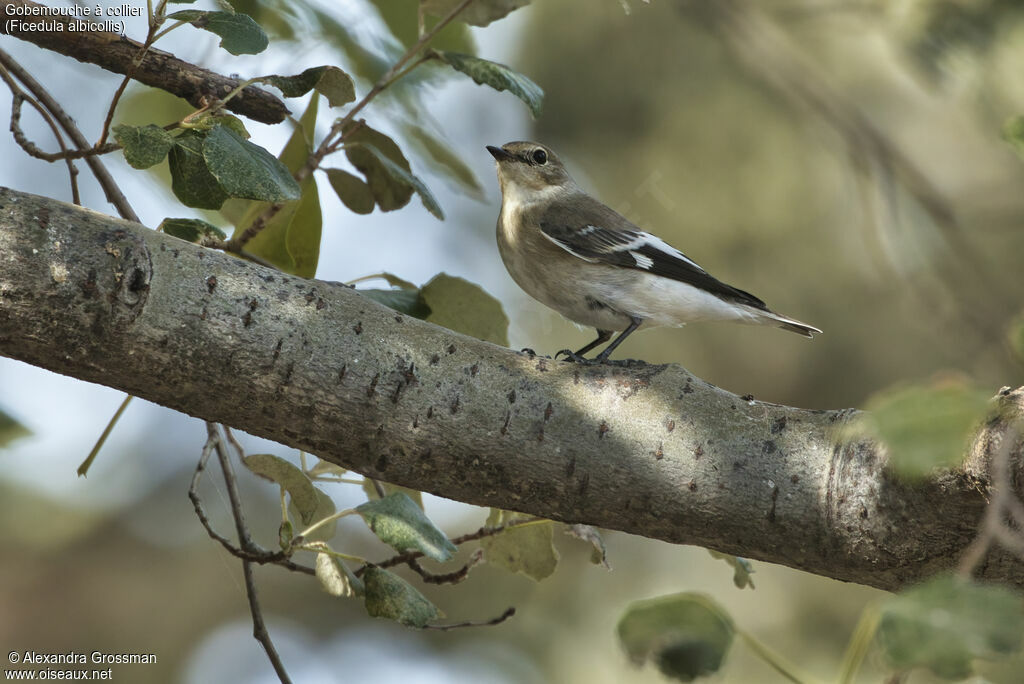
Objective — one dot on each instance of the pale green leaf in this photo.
(742, 569)
(144, 146)
(324, 509)
(926, 426)
(686, 635)
(461, 306)
(528, 549)
(389, 596)
(288, 476)
(335, 578)
(401, 524)
(497, 76)
(371, 491)
(947, 622)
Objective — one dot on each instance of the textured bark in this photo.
(158, 69)
(647, 449)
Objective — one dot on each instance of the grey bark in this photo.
(646, 449)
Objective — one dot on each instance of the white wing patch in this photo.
(642, 260)
(657, 243)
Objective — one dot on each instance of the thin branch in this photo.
(509, 612)
(446, 578)
(103, 177)
(19, 96)
(457, 541)
(158, 69)
(259, 627)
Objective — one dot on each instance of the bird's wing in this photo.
(596, 233)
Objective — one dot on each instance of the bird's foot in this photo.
(573, 357)
(528, 351)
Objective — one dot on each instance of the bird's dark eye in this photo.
(540, 156)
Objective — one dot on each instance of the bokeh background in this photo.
(842, 160)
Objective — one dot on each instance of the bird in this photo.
(576, 255)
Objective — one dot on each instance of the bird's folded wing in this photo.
(599, 235)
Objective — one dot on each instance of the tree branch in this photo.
(158, 69)
(650, 450)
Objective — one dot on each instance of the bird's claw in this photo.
(572, 357)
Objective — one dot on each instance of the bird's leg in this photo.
(603, 356)
(602, 337)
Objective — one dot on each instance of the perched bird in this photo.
(589, 263)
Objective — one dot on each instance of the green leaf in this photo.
(335, 577)
(389, 596)
(461, 306)
(1015, 336)
(401, 524)
(589, 534)
(330, 81)
(144, 146)
(400, 175)
(246, 170)
(191, 230)
(445, 161)
(371, 491)
(291, 478)
(191, 180)
(479, 12)
(388, 193)
(10, 429)
(742, 569)
(326, 468)
(1013, 133)
(240, 35)
(409, 302)
(926, 426)
(497, 76)
(528, 549)
(686, 635)
(291, 238)
(324, 509)
(946, 622)
(353, 192)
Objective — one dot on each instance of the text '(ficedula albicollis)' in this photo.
(589, 263)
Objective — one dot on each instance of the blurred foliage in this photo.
(11, 429)
(947, 622)
(926, 426)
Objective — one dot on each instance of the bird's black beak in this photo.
(499, 154)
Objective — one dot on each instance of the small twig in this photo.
(457, 541)
(993, 525)
(106, 181)
(259, 627)
(257, 555)
(470, 623)
(19, 96)
(84, 468)
(447, 578)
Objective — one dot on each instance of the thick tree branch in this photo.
(645, 449)
(158, 69)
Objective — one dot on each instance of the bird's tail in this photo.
(792, 325)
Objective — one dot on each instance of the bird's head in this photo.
(529, 168)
